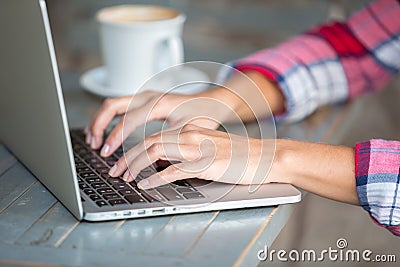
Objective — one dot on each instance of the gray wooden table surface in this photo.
(36, 230)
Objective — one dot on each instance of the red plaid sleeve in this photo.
(333, 62)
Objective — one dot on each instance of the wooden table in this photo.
(36, 230)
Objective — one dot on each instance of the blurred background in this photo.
(224, 30)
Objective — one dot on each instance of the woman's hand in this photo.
(202, 153)
(148, 106)
(244, 98)
(325, 170)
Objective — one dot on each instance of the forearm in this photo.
(325, 170)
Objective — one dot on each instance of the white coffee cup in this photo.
(138, 41)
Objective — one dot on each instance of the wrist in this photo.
(227, 104)
(249, 96)
(282, 170)
(322, 169)
(224, 95)
(259, 90)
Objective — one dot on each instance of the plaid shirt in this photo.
(337, 62)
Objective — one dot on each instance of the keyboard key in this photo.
(121, 186)
(111, 196)
(135, 199)
(105, 175)
(93, 180)
(83, 186)
(103, 170)
(185, 190)
(105, 191)
(98, 165)
(193, 195)
(79, 164)
(152, 195)
(181, 183)
(115, 181)
(164, 186)
(87, 174)
(95, 197)
(127, 192)
(99, 185)
(101, 203)
(82, 151)
(91, 177)
(90, 156)
(85, 156)
(83, 169)
(93, 160)
(169, 193)
(117, 202)
(89, 191)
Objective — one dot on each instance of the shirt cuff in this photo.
(295, 110)
(378, 181)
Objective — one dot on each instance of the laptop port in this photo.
(141, 212)
(158, 211)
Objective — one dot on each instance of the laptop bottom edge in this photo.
(172, 210)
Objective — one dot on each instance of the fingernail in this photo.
(112, 170)
(88, 138)
(143, 184)
(105, 150)
(93, 143)
(126, 176)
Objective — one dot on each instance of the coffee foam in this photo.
(136, 13)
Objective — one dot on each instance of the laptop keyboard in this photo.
(95, 182)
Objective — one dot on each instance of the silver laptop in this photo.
(34, 127)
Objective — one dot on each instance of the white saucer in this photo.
(95, 81)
